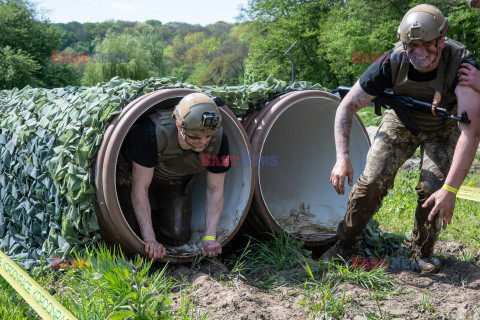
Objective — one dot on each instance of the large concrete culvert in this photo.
(293, 147)
(114, 206)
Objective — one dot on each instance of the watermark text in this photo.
(84, 57)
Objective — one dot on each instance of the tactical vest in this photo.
(452, 56)
(174, 163)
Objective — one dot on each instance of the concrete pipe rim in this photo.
(106, 182)
(107, 227)
(259, 133)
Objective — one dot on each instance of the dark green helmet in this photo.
(198, 113)
(422, 23)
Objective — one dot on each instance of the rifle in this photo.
(401, 103)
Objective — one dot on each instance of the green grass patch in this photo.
(12, 305)
(398, 209)
(106, 286)
(369, 118)
(324, 301)
(280, 252)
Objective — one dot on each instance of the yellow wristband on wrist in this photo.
(451, 189)
(209, 238)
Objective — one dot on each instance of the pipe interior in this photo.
(297, 157)
(236, 191)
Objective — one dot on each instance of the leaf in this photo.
(97, 276)
(123, 314)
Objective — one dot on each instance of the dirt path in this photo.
(453, 293)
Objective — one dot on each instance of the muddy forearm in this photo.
(141, 206)
(353, 101)
(213, 210)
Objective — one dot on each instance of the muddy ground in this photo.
(453, 293)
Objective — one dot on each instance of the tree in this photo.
(337, 40)
(26, 45)
(273, 27)
(127, 56)
(17, 69)
(354, 34)
(357, 32)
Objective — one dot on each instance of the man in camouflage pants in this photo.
(424, 65)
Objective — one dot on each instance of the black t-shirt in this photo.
(378, 76)
(141, 147)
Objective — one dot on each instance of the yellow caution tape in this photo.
(37, 297)
(469, 193)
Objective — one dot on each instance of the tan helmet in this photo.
(198, 113)
(422, 23)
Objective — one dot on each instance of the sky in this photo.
(201, 12)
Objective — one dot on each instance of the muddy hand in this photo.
(343, 168)
(444, 204)
(154, 249)
(211, 248)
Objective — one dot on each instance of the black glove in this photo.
(219, 101)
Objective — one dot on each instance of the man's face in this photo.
(198, 141)
(423, 53)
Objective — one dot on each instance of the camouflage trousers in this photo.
(392, 146)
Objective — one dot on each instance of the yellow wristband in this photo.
(209, 238)
(451, 189)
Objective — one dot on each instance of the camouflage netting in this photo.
(48, 145)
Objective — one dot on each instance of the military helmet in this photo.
(422, 23)
(198, 113)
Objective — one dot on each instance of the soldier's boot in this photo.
(340, 250)
(424, 237)
(363, 201)
(172, 224)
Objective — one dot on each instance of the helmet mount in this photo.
(197, 113)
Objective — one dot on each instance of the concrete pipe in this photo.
(114, 211)
(293, 147)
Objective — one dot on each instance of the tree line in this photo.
(335, 43)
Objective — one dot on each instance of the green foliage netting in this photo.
(48, 145)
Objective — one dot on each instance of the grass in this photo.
(109, 287)
(12, 305)
(398, 209)
(374, 279)
(281, 252)
(382, 314)
(369, 118)
(397, 212)
(426, 304)
(114, 287)
(324, 301)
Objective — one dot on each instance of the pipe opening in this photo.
(297, 154)
(237, 188)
